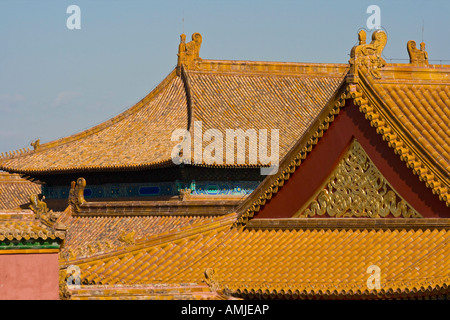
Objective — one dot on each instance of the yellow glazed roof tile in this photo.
(280, 261)
(140, 135)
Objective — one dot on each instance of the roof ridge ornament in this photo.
(417, 57)
(36, 144)
(189, 53)
(127, 238)
(216, 286)
(76, 194)
(43, 213)
(368, 56)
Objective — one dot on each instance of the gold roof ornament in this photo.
(188, 53)
(418, 57)
(64, 292)
(127, 238)
(41, 212)
(357, 188)
(368, 56)
(76, 194)
(36, 144)
(216, 286)
(39, 207)
(185, 194)
(212, 279)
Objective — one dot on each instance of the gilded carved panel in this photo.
(357, 188)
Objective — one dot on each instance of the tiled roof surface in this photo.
(140, 135)
(268, 99)
(15, 191)
(425, 111)
(222, 94)
(298, 262)
(87, 236)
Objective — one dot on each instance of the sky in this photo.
(56, 81)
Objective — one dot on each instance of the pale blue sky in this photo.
(55, 82)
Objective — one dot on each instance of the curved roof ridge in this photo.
(187, 89)
(272, 67)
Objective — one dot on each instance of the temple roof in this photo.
(138, 136)
(174, 256)
(20, 226)
(105, 227)
(15, 191)
(219, 94)
(290, 263)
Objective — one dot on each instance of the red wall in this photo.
(29, 276)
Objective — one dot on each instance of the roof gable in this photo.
(408, 107)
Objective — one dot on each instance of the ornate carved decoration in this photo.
(185, 194)
(215, 285)
(64, 292)
(76, 194)
(109, 245)
(368, 56)
(189, 53)
(39, 207)
(99, 246)
(41, 211)
(36, 144)
(356, 188)
(81, 251)
(211, 279)
(127, 238)
(72, 254)
(362, 37)
(91, 249)
(418, 57)
(14, 153)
